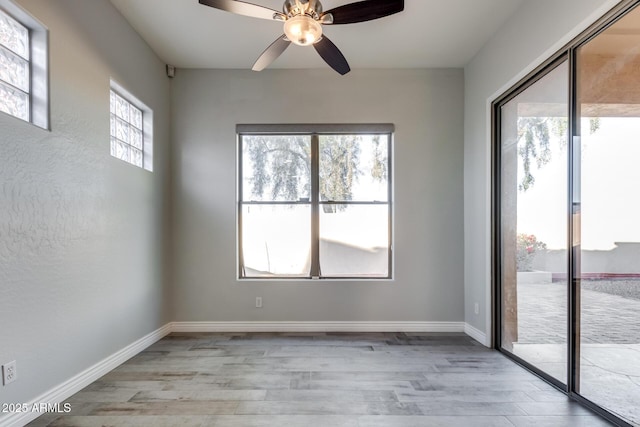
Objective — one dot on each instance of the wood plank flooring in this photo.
(318, 380)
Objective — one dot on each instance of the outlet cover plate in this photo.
(9, 372)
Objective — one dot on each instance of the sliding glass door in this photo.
(533, 222)
(607, 198)
(567, 218)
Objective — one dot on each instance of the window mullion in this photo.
(241, 270)
(32, 81)
(12, 87)
(315, 206)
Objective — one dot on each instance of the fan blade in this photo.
(366, 10)
(242, 8)
(332, 55)
(271, 53)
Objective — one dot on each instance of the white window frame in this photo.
(38, 63)
(314, 130)
(147, 125)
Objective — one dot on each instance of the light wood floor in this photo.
(317, 380)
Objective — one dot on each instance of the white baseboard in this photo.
(476, 334)
(318, 327)
(73, 385)
(78, 382)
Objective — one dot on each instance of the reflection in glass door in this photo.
(533, 223)
(607, 195)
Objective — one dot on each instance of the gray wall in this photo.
(81, 246)
(536, 31)
(425, 105)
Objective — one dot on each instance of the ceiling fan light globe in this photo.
(303, 30)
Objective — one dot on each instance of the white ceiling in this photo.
(429, 33)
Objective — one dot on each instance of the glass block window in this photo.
(15, 78)
(127, 131)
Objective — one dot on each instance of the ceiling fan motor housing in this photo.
(311, 8)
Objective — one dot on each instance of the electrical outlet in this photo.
(258, 302)
(9, 372)
(476, 308)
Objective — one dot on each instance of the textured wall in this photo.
(81, 233)
(521, 45)
(426, 107)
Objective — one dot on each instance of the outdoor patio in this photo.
(610, 338)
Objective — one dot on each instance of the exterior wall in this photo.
(426, 108)
(534, 32)
(81, 233)
(622, 260)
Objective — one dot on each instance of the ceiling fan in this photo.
(303, 20)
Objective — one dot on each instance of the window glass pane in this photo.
(354, 167)
(14, 70)
(276, 168)
(135, 137)
(14, 102)
(13, 35)
(122, 108)
(354, 240)
(136, 156)
(136, 117)
(113, 125)
(114, 145)
(276, 240)
(120, 150)
(122, 130)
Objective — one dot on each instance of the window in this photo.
(130, 128)
(315, 201)
(14, 73)
(23, 66)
